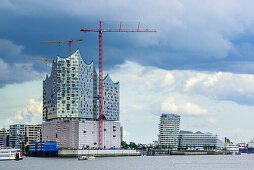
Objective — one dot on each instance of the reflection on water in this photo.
(225, 162)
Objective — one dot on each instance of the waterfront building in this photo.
(22, 134)
(188, 139)
(71, 91)
(169, 129)
(17, 135)
(32, 133)
(4, 137)
(78, 134)
(71, 105)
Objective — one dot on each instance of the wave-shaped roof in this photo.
(108, 77)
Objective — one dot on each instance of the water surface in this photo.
(200, 162)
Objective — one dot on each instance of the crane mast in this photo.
(100, 30)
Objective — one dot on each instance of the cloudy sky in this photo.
(199, 64)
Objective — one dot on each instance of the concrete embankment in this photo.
(97, 153)
(200, 153)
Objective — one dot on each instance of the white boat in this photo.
(91, 158)
(10, 154)
(82, 158)
(86, 158)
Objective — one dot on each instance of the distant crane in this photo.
(42, 59)
(100, 30)
(61, 41)
(56, 41)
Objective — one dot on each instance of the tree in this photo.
(164, 146)
(124, 145)
(133, 145)
(26, 148)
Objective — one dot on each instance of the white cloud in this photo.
(143, 99)
(180, 104)
(31, 114)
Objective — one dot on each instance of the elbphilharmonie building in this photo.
(71, 91)
(70, 105)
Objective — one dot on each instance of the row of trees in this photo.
(131, 145)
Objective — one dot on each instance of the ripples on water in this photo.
(224, 162)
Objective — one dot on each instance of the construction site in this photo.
(80, 106)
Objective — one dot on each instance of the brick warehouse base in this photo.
(78, 134)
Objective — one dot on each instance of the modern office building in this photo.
(17, 135)
(32, 133)
(71, 91)
(4, 137)
(70, 105)
(199, 140)
(78, 134)
(169, 129)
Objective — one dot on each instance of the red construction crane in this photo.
(100, 30)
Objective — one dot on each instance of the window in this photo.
(114, 136)
(84, 131)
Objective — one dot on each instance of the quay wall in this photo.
(97, 153)
(200, 153)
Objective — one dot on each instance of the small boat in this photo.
(10, 154)
(91, 158)
(86, 158)
(82, 158)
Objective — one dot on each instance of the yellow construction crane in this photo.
(56, 41)
(61, 41)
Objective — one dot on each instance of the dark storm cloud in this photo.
(216, 37)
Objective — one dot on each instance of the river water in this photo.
(207, 162)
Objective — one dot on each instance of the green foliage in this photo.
(26, 148)
(133, 145)
(156, 147)
(124, 145)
